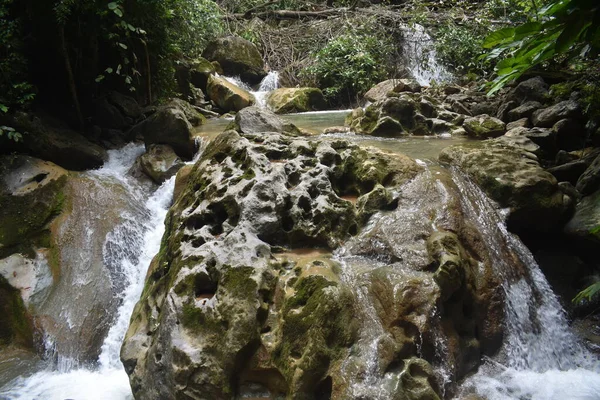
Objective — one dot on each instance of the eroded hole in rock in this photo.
(216, 230)
(393, 205)
(39, 177)
(304, 204)
(323, 389)
(353, 230)
(199, 241)
(204, 287)
(367, 186)
(395, 366)
(219, 157)
(293, 179)
(287, 223)
(313, 192)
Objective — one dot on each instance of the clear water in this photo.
(130, 246)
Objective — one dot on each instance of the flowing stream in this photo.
(127, 252)
(540, 357)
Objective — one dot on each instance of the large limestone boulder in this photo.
(237, 57)
(59, 145)
(228, 96)
(169, 126)
(294, 100)
(226, 307)
(514, 178)
(484, 127)
(254, 120)
(31, 196)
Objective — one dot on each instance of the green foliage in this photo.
(587, 294)
(564, 27)
(350, 64)
(460, 47)
(10, 133)
(14, 88)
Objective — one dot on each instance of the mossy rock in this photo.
(295, 100)
(200, 70)
(16, 327)
(237, 57)
(31, 195)
(484, 127)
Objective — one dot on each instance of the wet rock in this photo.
(504, 108)
(31, 196)
(547, 117)
(513, 178)
(585, 223)
(525, 110)
(228, 96)
(219, 303)
(168, 126)
(59, 145)
(181, 180)
(193, 116)
(521, 142)
(544, 138)
(483, 108)
(237, 57)
(484, 126)
(589, 181)
(294, 100)
(160, 162)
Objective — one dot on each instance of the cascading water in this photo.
(127, 252)
(541, 358)
(420, 57)
(268, 84)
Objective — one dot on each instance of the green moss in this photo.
(15, 323)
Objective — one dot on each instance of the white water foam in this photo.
(267, 85)
(108, 381)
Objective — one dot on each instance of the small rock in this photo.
(520, 123)
(569, 172)
(589, 181)
(534, 89)
(570, 135)
(160, 162)
(525, 110)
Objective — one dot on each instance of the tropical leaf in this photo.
(498, 37)
(587, 293)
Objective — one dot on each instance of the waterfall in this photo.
(127, 253)
(541, 358)
(421, 58)
(267, 85)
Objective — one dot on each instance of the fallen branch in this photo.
(291, 14)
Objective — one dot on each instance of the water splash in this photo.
(421, 58)
(267, 85)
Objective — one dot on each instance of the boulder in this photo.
(160, 162)
(520, 123)
(483, 127)
(533, 89)
(525, 110)
(515, 180)
(394, 116)
(127, 105)
(570, 135)
(228, 96)
(585, 223)
(222, 290)
(547, 117)
(200, 70)
(107, 115)
(31, 196)
(237, 57)
(589, 181)
(295, 100)
(168, 126)
(382, 89)
(59, 145)
(544, 138)
(569, 172)
(255, 120)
